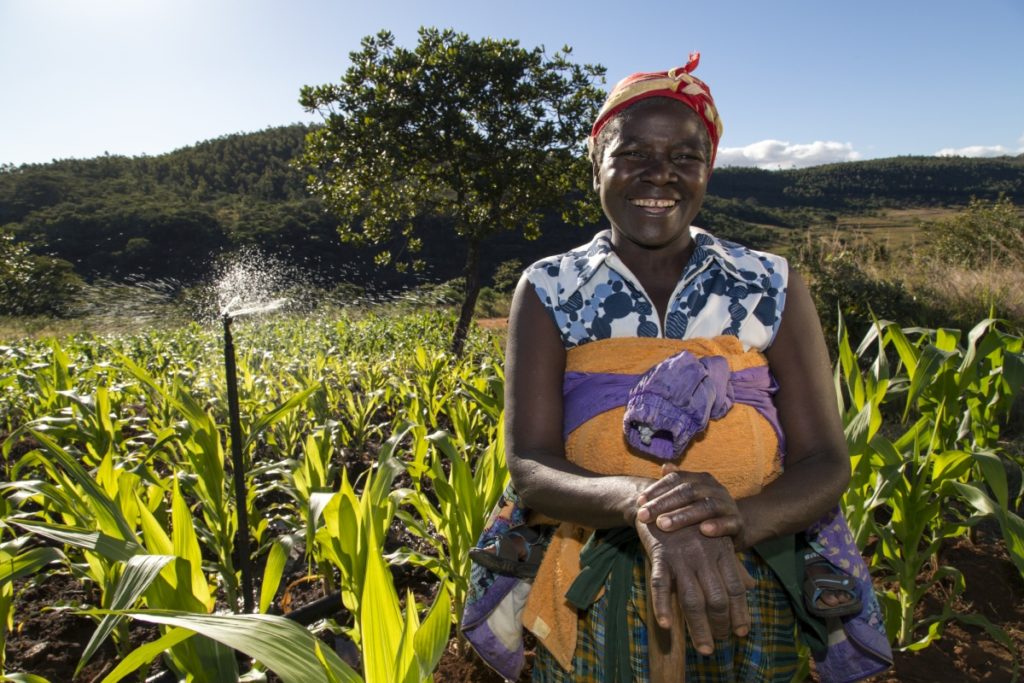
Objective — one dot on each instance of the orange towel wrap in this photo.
(740, 450)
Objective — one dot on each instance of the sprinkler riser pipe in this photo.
(238, 465)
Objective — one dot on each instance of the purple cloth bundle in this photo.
(670, 403)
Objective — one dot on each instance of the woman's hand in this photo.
(683, 499)
(709, 581)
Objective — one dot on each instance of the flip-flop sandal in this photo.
(816, 586)
(501, 555)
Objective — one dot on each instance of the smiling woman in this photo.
(672, 438)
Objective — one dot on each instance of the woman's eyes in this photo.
(681, 157)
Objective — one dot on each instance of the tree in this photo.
(33, 285)
(483, 135)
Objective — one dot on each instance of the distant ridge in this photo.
(167, 216)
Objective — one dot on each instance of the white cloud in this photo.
(776, 154)
(975, 151)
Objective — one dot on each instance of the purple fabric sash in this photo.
(670, 403)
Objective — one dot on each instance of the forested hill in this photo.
(895, 182)
(166, 216)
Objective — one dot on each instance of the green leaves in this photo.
(121, 472)
(286, 648)
(911, 493)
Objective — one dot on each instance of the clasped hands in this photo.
(687, 522)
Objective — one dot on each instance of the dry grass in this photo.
(898, 247)
(977, 291)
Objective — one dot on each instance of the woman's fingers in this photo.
(680, 499)
(737, 581)
(661, 591)
(695, 612)
(671, 478)
(718, 514)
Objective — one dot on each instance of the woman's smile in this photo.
(655, 207)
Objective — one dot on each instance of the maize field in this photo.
(371, 454)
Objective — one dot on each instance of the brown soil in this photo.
(49, 642)
(492, 323)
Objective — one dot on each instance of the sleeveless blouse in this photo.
(725, 289)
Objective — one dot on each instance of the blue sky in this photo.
(797, 83)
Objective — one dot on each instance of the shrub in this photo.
(986, 232)
(841, 285)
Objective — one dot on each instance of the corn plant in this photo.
(17, 562)
(285, 647)
(352, 524)
(430, 392)
(452, 518)
(908, 495)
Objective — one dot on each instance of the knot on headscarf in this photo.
(676, 84)
(673, 401)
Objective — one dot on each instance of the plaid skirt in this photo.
(767, 653)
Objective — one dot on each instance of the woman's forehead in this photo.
(659, 115)
(658, 106)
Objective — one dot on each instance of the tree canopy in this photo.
(483, 135)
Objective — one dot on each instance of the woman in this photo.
(668, 530)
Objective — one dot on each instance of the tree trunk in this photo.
(472, 275)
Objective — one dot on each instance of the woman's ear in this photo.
(596, 167)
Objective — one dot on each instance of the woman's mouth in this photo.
(654, 206)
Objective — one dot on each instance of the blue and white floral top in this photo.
(725, 288)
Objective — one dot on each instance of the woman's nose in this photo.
(660, 171)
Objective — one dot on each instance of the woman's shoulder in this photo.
(740, 260)
(565, 272)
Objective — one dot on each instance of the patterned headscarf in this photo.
(677, 84)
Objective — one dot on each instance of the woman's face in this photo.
(653, 174)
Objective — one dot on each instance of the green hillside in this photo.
(168, 216)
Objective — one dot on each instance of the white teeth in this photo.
(654, 203)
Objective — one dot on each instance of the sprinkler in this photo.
(227, 316)
(247, 280)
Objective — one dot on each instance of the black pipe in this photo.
(242, 539)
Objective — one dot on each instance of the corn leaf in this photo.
(283, 646)
(186, 545)
(146, 653)
(272, 573)
(107, 513)
(995, 476)
(139, 572)
(432, 636)
(1011, 525)
(22, 678)
(28, 562)
(111, 548)
(266, 421)
(380, 619)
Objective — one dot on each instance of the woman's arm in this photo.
(817, 469)
(544, 479)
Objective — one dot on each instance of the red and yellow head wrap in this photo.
(677, 84)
